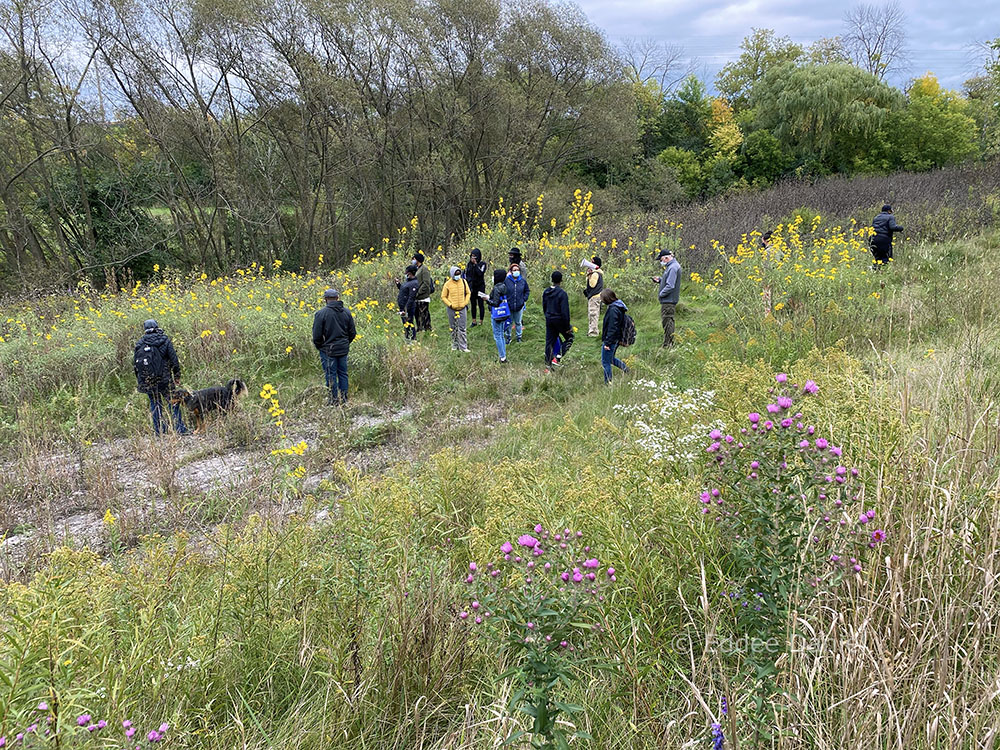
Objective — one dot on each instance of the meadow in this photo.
(300, 576)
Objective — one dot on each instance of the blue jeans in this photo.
(608, 358)
(501, 333)
(160, 427)
(335, 372)
(515, 316)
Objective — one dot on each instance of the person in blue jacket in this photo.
(517, 297)
(406, 301)
(611, 333)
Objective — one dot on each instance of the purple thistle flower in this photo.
(773, 408)
(715, 434)
(101, 724)
(591, 563)
(754, 418)
(153, 736)
(130, 732)
(164, 727)
(43, 706)
(527, 540)
(784, 402)
(506, 548)
(538, 528)
(810, 387)
(878, 535)
(781, 378)
(83, 720)
(821, 444)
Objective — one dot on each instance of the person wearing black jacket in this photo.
(157, 372)
(611, 333)
(406, 301)
(885, 227)
(475, 275)
(333, 332)
(555, 306)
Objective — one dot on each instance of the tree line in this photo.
(199, 133)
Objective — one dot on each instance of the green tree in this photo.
(934, 129)
(762, 51)
(826, 115)
(686, 168)
(685, 119)
(762, 158)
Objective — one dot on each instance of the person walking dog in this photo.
(333, 332)
(157, 373)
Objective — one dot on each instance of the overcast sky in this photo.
(940, 35)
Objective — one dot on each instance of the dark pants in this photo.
(160, 427)
(423, 316)
(667, 310)
(409, 327)
(477, 300)
(608, 359)
(335, 371)
(881, 248)
(553, 333)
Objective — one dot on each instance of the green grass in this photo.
(324, 614)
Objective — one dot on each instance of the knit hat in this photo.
(499, 275)
(419, 257)
(886, 208)
(331, 294)
(411, 269)
(557, 277)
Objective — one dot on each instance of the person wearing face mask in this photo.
(456, 295)
(669, 295)
(475, 274)
(517, 297)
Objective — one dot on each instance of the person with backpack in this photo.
(592, 291)
(885, 227)
(475, 274)
(406, 301)
(425, 288)
(157, 373)
(669, 294)
(558, 328)
(333, 332)
(456, 295)
(615, 324)
(500, 312)
(517, 297)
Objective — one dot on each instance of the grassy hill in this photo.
(297, 575)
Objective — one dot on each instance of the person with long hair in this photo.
(611, 333)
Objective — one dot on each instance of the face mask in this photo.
(664, 262)
(457, 276)
(515, 274)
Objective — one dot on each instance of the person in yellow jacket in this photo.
(456, 295)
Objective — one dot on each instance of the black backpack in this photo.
(627, 337)
(148, 365)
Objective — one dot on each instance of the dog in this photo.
(216, 398)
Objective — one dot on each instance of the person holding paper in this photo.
(592, 291)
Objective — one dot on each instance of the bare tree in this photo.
(875, 37)
(645, 59)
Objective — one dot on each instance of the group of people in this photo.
(465, 291)
(158, 372)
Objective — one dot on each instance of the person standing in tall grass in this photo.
(455, 293)
(333, 332)
(558, 327)
(518, 292)
(500, 312)
(669, 294)
(406, 301)
(592, 291)
(425, 288)
(157, 372)
(475, 274)
(611, 333)
(885, 227)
